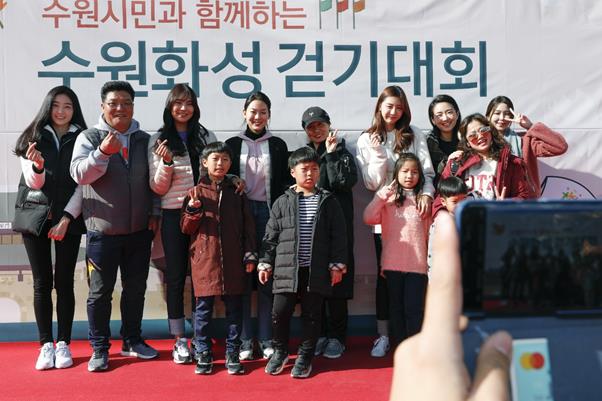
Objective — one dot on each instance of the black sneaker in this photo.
(233, 364)
(302, 367)
(204, 365)
(99, 361)
(276, 363)
(140, 350)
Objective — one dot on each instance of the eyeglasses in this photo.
(115, 106)
(471, 136)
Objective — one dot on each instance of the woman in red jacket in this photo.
(486, 164)
(537, 141)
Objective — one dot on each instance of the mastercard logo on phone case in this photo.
(532, 360)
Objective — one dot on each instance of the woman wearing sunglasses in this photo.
(486, 164)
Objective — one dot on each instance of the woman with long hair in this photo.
(442, 140)
(486, 163)
(378, 148)
(175, 167)
(44, 149)
(537, 141)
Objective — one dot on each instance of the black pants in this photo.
(106, 254)
(382, 296)
(40, 259)
(175, 246)
(406, 302)
(335, 316)
(311, 315)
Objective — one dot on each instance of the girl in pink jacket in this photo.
(404, 241)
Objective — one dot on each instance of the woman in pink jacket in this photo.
(537, 141)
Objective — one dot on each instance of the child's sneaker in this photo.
(99, 360)
(246, 350)
(62, 355)
(233, 364)
(380, 347)
(181, 352)
(302, 367)
(276, 362)
(46, 357)
(334, 349)
(320, 345)
(266, 349)
(204, 365)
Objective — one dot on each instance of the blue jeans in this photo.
(202, 319)
(105, 254)
(261, 214)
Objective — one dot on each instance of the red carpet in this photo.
(355, 376)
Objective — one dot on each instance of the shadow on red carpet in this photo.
(354, 376)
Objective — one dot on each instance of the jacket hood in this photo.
(103, 126)
(263, 138)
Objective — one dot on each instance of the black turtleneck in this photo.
(252, 135)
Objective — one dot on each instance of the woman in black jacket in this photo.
(338, 174)
(44, 149)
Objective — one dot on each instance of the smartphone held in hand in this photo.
(531, 257)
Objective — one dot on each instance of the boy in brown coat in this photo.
(222, 240)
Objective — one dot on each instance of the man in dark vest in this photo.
(110, 162)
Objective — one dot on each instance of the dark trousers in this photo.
(311, 315)
(406, 302)
(105, 254)
(334, 318)
(261, 214)
(203, 314)
(382, 296)
(38, 250)
(175, 246)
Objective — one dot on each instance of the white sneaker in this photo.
(46, 357)
(380, 347)
(62, 355)
(181, 352)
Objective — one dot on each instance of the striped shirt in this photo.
(308, 206)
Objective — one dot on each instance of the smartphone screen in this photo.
(531, 257)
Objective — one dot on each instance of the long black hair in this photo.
(197, 134)
(404, 157)
(44, 117)
(445, 99)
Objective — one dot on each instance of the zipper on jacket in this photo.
(219, 233)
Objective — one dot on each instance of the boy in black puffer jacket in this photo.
(305, 248)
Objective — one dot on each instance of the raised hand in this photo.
(499, 195)
(388, 190)
(331, 141)
(240, 185)
(375, 139)
(162, 150)
(35, 156)
(110, 144)
(519, 118)
(194, 201)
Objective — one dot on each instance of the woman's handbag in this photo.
(31, 211)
